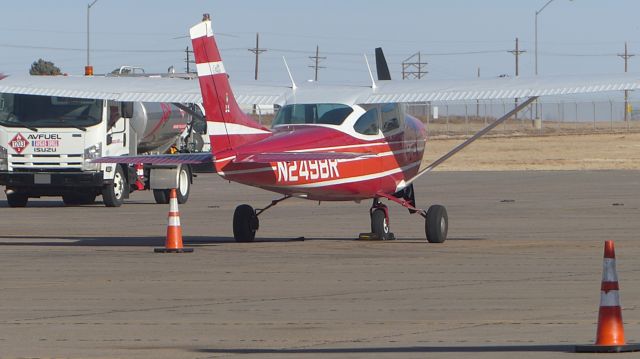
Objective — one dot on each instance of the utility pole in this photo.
(411, 68)
(626, 56)
(316, 64)
(478, 101)
(257, 51)
(517, 52)
(88, 70)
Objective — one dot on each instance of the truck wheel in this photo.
(184, 184)
(113, 194)
(161, 196)
(17, 199)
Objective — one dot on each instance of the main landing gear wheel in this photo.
(245, 223)
(437, 224)
(379, 224)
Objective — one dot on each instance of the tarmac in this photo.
(518, 276)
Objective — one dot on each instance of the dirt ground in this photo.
(555, 152)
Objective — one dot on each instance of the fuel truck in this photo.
(47, 144)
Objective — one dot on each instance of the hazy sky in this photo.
(455, 36)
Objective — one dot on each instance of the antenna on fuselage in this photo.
(373, 82)
(293, 83)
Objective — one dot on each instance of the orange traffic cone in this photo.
(610, 334)
(173, 244)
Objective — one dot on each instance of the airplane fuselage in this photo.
(381, 162)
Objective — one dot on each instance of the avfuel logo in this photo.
(18, 143)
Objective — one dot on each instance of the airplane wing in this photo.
(180, 158)
(180, 90)
(496, 88)
(143, 89)
(268, 157)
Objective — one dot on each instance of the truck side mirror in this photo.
(126, 109)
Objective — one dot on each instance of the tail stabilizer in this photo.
(227, 125)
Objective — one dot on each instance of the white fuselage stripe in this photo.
(221, 129)
(210, 68)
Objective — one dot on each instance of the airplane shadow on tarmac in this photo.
(39, 203)
(158, 241)
(413, 349)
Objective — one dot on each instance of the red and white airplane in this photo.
(327, 143)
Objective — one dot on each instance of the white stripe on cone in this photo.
(609, 270)
(610, 298)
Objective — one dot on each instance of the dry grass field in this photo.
(603, 151)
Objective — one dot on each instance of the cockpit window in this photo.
(390, 117)
(367, 124)
(317, 113)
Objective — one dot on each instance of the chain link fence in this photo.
(542, 118)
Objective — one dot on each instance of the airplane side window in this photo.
(328, 114)
(367, 124)
(390, 117)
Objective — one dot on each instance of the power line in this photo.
(316, 64)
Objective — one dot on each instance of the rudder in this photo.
(227, 125)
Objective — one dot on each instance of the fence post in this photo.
(594, 115)
(611, 114)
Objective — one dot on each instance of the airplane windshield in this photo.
(48, 111)
(317, 113)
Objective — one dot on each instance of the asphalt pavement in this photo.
(518, 276)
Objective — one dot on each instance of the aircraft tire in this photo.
(17, 199)
(437, 224)
(379, 224)
(245, 223)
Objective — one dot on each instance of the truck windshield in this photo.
(324, 113)
(48, 111)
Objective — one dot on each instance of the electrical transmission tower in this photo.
(257, 51)
(188, 60)
(412, 68)
(316, 63)
(626, 56)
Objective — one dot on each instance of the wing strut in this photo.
(479, 134)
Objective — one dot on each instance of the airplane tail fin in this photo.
(381, 65)
(227, 125)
